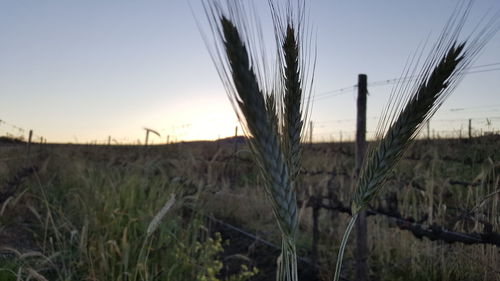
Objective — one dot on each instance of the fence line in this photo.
(433, 232)
(480, 126)
(22, 133)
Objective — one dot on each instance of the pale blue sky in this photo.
(83, 70)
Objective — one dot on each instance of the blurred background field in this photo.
(81, 212)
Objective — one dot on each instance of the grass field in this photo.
(75, 212)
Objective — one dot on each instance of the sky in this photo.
(80, 71)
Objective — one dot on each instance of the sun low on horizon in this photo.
(94, 71)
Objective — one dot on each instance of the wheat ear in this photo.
(291, 136)
(292, 129)
(264, 141)
(400, 134)
(262, 122)
(406, 114)
(398, 137)
(271, 113)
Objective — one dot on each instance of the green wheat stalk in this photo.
(272, 118)
(261, 122)
(411, 108)
(399, 136)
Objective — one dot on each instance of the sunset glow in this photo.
(133, 65)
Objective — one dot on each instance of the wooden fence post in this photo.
(428, 129)
(28, 145)
(235, 140)
(310, 132)
(362, 269)
(470, 128)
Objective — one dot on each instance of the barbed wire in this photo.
(22, 133)
(396, 80)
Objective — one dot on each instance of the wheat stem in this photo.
(343, 244)
(287, 262)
